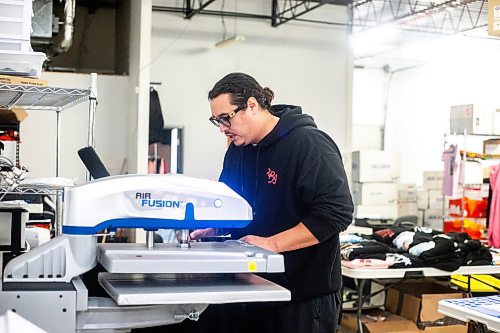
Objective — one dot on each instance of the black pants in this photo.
(318, 315)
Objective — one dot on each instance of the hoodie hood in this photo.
(291, 117)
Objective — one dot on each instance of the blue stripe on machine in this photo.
(153, 224)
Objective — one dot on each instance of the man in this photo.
(291, 173)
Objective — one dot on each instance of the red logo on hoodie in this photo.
(272, 176)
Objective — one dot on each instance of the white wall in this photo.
(38, 131)
(459, 71)
(368, 108)
(305, 64)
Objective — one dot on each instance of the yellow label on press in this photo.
(252, 266)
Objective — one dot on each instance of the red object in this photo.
(9, 135)
(476, 208)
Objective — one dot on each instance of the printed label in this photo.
(496, 13)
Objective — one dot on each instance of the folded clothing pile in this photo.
(403, 247)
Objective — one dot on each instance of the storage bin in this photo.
(21, 63)
(15, 19)
(15, 45)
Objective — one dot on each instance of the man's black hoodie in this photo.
(295, 174)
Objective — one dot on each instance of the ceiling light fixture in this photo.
(236, 39)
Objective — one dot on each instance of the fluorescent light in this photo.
(230, 41)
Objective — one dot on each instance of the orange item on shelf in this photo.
(476, 208)
(474, 204)
(474, 229)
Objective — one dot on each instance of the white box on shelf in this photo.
(464, 117)
(492, 147)
(372, 166)
(433, 180)
(473, 173)
(407, 192)
(15, 19)
(436, 199)
(374, 193)
(21, 63)
(423, 199)
(407, 208)
(389, 212)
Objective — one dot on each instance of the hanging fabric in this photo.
(450, 173)
(155, 117)
(494, 218)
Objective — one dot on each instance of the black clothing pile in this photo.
(471, 250)
(364, 250)
(420, 247)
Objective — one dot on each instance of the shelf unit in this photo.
(34, 98)
(34, 189)
(464, 136)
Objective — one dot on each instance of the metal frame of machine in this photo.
(149, 284)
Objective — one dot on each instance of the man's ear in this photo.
(252, 104)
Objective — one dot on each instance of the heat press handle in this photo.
(92, 162)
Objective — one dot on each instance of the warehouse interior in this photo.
(405, 90)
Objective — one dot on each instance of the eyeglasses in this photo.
(225, 120)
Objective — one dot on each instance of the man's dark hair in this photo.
(241, 87)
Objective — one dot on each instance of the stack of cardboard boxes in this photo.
(430, 200)
(407, 200)
(375, 192)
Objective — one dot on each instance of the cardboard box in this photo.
(422, 199)
(372, 166)
(465, 120)
(12, 116)
(389, 212)
(420, 217)
(436, 199)
(418, 302)
(433, 218)
(492, 147)
(407, 208)
(432, 180)
(374, 193)
(373, 323)
(407, 192)
(494, 17)
(9, 79)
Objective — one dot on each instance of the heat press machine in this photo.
(148, 284)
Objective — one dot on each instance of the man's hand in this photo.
(262, 242)
(291, 239)
(200, 233)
